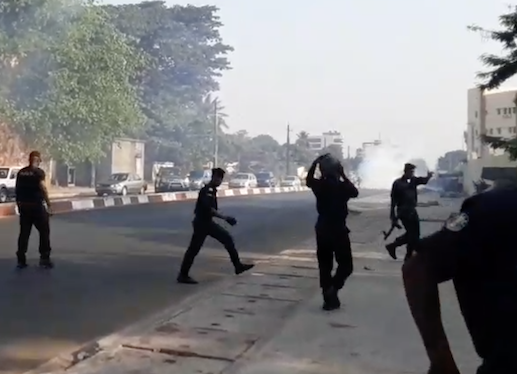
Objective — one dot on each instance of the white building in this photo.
(319, 142)
(492, 113)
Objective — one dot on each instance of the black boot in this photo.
(392, 250)
(45, 263)
(185, 279)
(22, 262)
(241, 268)
(331, 299)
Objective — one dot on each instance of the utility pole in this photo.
(216, 132)
(288, 151)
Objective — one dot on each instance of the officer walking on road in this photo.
(332, 192)
(404, 197)
(476, 249)
(204, 225)
(34, 209)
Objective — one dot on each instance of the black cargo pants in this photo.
(202, 229)
(333, 242)
(411, 222)
(33, 215)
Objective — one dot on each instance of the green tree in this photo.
(187, 55)
(66, 77)
(500, 68)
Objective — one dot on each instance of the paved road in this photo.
(115, 266)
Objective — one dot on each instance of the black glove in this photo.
(232, 221)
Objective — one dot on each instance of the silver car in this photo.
(121, 184)
(243, 180)
(291, 181)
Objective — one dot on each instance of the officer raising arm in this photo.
(476, 250)
(404, 198)
(206, 209)
(31, 197)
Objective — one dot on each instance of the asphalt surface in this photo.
(116, 266)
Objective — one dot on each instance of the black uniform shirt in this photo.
(332, 197)
(477, 248)
(206, 202)
(404, 193)
(28, 185)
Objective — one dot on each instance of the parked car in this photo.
(243, 180)
(8, 182)
(266, 179)
(291, 181)
(169, 180)
(121, 184)
(198, 178)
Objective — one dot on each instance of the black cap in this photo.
(218, 172)
(409, 167)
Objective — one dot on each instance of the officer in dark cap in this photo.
(332, 191)
(476, 249)
(404, 197)
(204, 225)
(34, 208)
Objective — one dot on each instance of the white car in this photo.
(291, 181)
(243, 180)
(7, 182)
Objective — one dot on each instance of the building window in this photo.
(499, 130)
(514, 110)
(499, 111)
(505, 111)
(476, 114)
(490, 131)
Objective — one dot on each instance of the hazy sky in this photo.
(397, 68)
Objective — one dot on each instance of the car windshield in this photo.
(197, 174)
(119, 177)
(169, 173)
(4, 172)
(290, 178)
(241, 176)
(263, 175)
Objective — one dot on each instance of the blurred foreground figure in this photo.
(404, 198)
(34, 209)
(204, 225)
(476, 249)
(332, 191)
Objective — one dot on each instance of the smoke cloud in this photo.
(382, 164)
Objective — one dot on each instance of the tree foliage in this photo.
(186, 55)
(66, 77)
(500, 68)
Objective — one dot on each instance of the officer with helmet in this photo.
(332, 191)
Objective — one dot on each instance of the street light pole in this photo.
(288, 151)
(216, 132)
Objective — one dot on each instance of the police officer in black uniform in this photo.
(404, 197)
(477, 250)
(206, 209)
(34, 209)
(332, 192)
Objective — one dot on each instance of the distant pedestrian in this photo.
(332, 192)
(35, 209)
(204, 225)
